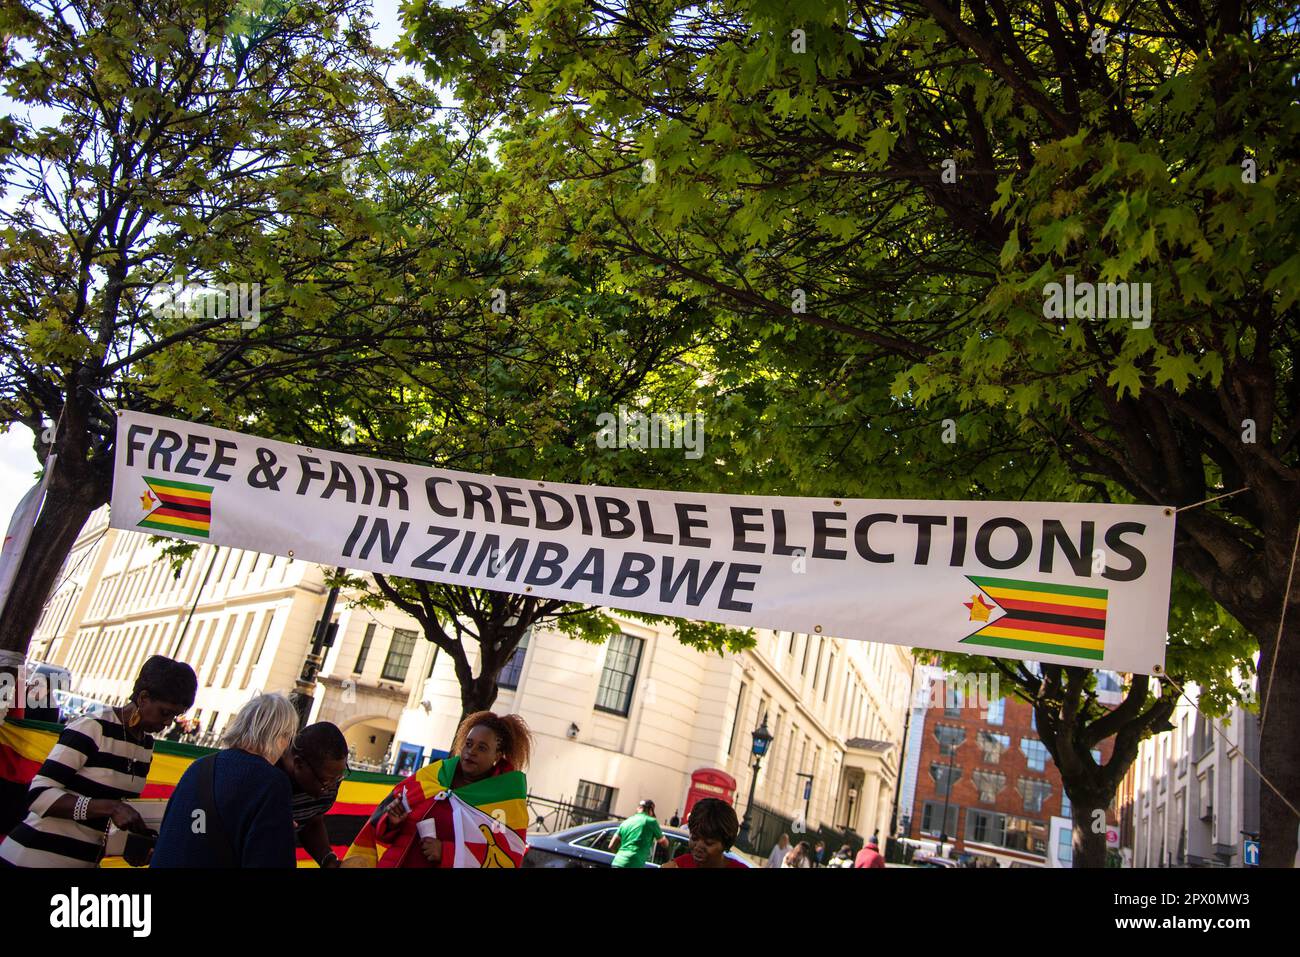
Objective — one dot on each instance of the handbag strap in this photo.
(208, 804)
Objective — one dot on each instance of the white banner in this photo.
(1066, 583)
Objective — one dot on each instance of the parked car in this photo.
(922, 860)
(588, 846)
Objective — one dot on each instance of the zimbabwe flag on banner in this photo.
(25, 744)
(1050, 619)
(183, 507)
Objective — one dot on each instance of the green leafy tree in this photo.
(151, 144)
(537, 344)
(885, 193)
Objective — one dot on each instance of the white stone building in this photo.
(635, 717)
(1195, 796)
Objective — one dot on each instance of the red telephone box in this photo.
(709, 783)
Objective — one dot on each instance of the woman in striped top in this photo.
(99, 761)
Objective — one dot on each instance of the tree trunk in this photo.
(73, 493)
(1279, 756)
(1089, 835)
(479, 696)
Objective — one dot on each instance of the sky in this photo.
(18, 462)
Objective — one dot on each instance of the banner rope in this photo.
(1210, 721)
(1277, 643)
(1184, 508)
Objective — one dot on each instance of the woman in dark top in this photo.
(232, 809)
(99, 762)
(713, 828)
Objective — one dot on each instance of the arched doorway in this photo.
(369, 739)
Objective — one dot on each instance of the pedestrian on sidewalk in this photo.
(782, 848)
(713, 828)
(843, 857)
(99, 762)
(637, 837)
(869, 856)
(819, 854)
(800, 856)
(239, 795)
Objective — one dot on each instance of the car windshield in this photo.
(596, 840)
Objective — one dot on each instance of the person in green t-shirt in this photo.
(637, 837)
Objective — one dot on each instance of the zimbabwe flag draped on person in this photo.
(480, 824)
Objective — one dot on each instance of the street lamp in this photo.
(947, 794)
(807, 794)
(762, 738)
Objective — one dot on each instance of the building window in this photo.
(509, 677)
(985, 827)
(1066, 809)
(399, 655)
(932, 817)
(992, 745)
(830, 672)
(1065, 847)
(988, 783)
(596, 798)
(433, 663)
(618, 679)
(944, 777)
(807, 647)
(1034, 792)
(360, 666)
(735, 720)
(949, 738)
(1006, 830)
(1035, 753)
(997, 712)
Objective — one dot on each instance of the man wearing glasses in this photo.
(316, 763)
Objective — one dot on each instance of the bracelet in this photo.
(80, 809)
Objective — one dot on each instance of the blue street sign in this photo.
(807, 790)
(1252, 853)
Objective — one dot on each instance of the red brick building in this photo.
(1004, 786)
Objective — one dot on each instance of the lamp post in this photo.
(807, 794)
(762, 738)
(322, 638)
(947, 794)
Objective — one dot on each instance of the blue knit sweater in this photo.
(253, 800)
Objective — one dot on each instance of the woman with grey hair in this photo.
(232, 808)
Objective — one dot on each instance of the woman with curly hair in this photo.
(467, 810)
(713, 828)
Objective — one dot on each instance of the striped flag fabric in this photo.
(184, 507)
(24, 744)
(1043, 618)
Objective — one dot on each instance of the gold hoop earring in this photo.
(135, 716)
